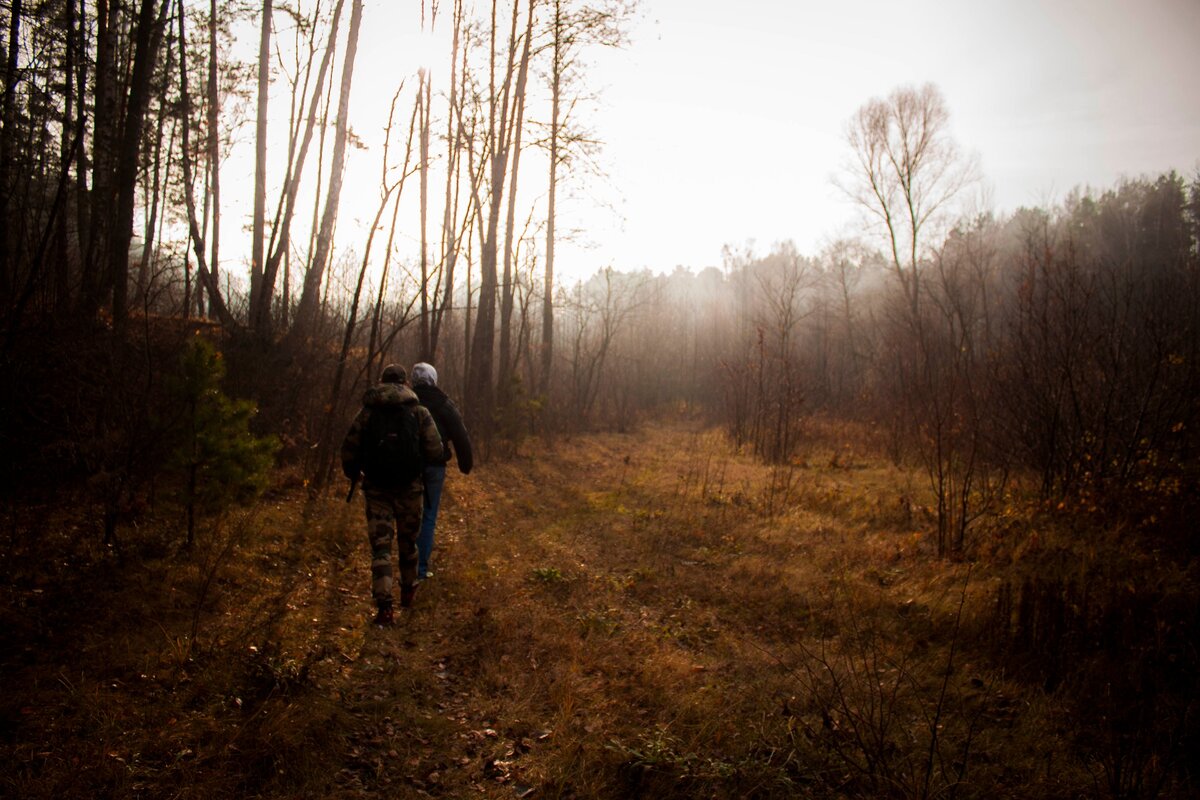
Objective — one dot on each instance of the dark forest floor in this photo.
(641, 615)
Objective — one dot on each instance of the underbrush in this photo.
(164, 670)
(856, 664)
(1112, 630)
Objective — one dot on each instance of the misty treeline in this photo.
(1056, 346)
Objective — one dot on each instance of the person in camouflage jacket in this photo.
(395, 512)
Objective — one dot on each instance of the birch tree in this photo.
(572, 27)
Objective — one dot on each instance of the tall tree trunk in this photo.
(151, 202)
(375, 345)
(451, 241)
(104, 148)
(260, 163)
(280, 255)
(506, 293)
(82, 207)
(481, 390)
(423, 102)
(62, 272)
(551, 208)
(314, 226)
(306, 312)
(203, 276)
(147, 38)
(214, 141)
(8, 117)
(468, 367)
(158, 182)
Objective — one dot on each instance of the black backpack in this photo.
(391, 447)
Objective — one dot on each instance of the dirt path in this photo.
(582, 599)
(422, 723)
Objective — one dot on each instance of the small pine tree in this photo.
(220, 461)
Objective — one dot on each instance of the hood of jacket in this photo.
(431, 397)
(388, 394)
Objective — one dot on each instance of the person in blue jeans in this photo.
(456, 443)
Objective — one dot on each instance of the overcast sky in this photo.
(724, 122)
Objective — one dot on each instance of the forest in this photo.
(910, 516)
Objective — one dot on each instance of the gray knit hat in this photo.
(424, 374)
(394, 373)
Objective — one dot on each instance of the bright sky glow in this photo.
(723, 123)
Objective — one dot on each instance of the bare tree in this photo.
(148, 36)
(783, 280)
(196, 233)
(153, 192)
(601, 308)
(214, 143)
(260, 156)
(906, 170)
(501, 117)
(306, 311)
(507, 286)
(572, 27)
(260, 305)
(452, 231)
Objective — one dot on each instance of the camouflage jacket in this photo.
(381, 395)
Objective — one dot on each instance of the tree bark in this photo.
(551, 204)
(155, 189)
(62, 275)
(260, 161)
(7, 138)
(481, 390)
(147, 38)
(262, 310)
(214, 142)
(506, 294)
(82, 208)
(423, 103)
(104, 148)
(203, 276)
(451, 238)
(306, 312)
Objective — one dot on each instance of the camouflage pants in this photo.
(393, 514)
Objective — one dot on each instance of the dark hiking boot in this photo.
(385, 616)
(407, 593)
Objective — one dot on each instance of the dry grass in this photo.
(643, 615)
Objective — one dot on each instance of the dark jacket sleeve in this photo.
(350, 463)
(457, 433)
